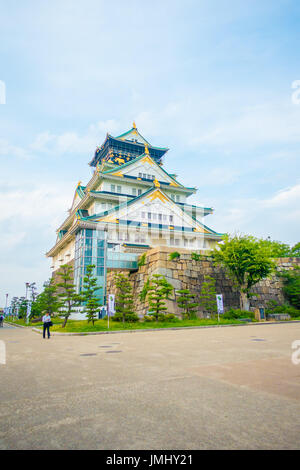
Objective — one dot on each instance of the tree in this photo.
(14, 305)
(67, 294)
(276, 249)
(295, 250)
(208, 295)
(185, 301)
(22, 307)
(247, 260)
(124, 297)
(47, 301)
(88, 294)
(156, 290)
(281, 250)
(291, 286)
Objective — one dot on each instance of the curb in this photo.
(15, 324)
(88, 333)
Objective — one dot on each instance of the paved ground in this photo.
(222, 388)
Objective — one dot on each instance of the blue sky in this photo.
(212, 80)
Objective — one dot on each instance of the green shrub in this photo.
(196, 256)
(174, 255)
(129, 317)
(162, 318)
(171, 317)
(291, 286)
(285, 308)
(236, 314)
(149, 318)
(142, 260)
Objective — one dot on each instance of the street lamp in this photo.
(27, 284)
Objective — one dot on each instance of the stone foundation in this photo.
(185, 273)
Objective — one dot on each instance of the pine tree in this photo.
(157, 289)
(14, 305)
(89, 288)
(47, 301)
(185, 302)
(124, 297)
(67, 293)
(22, 307)
(208, 295)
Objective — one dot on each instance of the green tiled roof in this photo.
(113, 170)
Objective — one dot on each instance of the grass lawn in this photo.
(22, 322)
(76, 326)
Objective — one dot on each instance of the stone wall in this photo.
(185, 273)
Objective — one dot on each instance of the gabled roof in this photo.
(101, 217)
(131, 162)
(134, 133)
(131, 142)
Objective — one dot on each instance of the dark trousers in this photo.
(46, 326)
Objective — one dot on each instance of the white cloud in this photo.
(71, 142)
(6, 149)
(284, 198)
(254, 125)
(277, 216)
(40, 205)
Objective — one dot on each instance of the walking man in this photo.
(1, 320)
(46, 325)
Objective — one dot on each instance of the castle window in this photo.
(139, 192)
(149, 215)
(134, 191)
(177, 198)
(113, 188)
(119, 189)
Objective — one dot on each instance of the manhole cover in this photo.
(111, 352)
(91, 354)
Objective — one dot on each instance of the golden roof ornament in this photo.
(156, 183)
(146, 149)
(134, 125)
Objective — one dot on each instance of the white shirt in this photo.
(46, 318)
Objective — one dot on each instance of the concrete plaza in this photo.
(210, 388)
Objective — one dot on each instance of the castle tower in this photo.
(130, 204)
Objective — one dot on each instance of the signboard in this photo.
(111, 304)
(220, 305)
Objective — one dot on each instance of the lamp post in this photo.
(27, 284)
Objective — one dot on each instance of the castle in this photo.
(130, 204)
